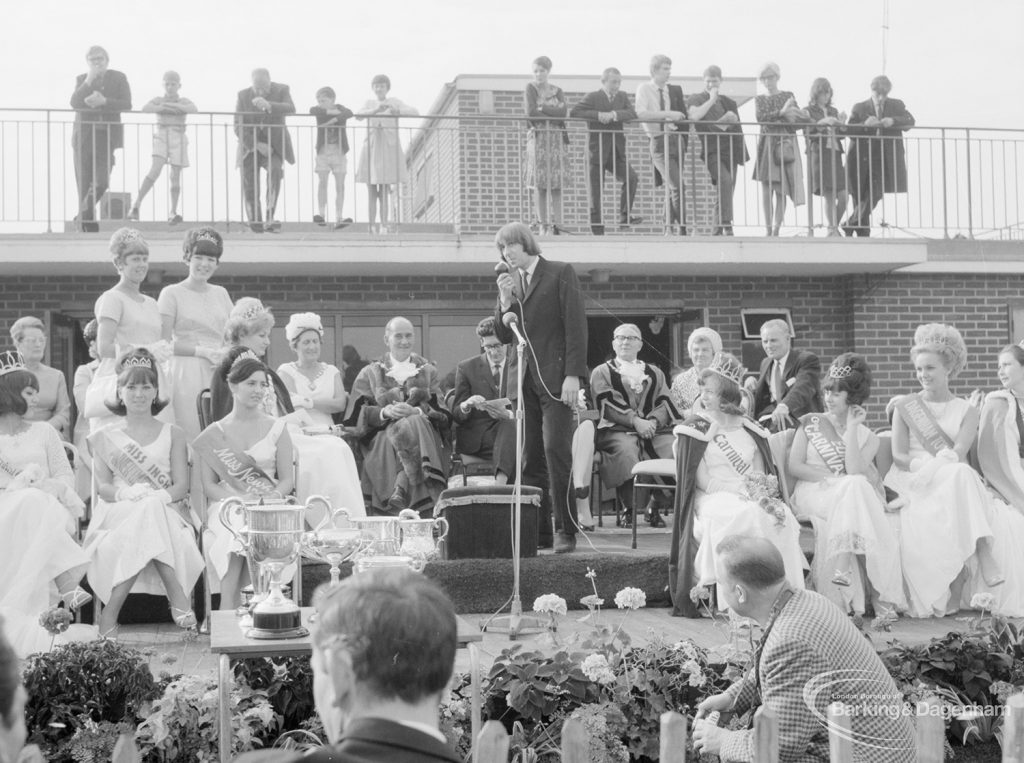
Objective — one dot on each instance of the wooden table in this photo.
(228, 640)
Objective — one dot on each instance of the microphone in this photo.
(511, 320)
(501, 267)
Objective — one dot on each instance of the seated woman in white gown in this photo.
(945, 524)
(140, 538)
(316, 389)
(838, 487)
(724, 474)
(326, 464)
(39, 559)
(1001, 458)
(245, 454)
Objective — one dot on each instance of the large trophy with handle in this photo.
(271, 535)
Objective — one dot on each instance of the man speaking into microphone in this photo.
(543, 299)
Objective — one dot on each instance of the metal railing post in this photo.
(970, 202)
(945, 187)
(49, 180)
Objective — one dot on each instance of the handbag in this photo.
(784, 152)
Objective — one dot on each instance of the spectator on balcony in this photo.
(702, 346)
(263, 143)
(193, 314)
(788, 386)
(778, 169)
(170, 143)
(877, 162)
(605, 111)
(382, 162)
(52, 404)
(637, 416)
(547, 145)
(331, 154)
(662, 108)
(722, 145)
(477, 381)
(395, 405)
(101, 94)
(825, 150)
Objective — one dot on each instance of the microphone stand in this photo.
(515, 624)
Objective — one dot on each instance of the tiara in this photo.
(246, 355)
(10, 361)
(839, 372)
(726, 366)
(253, 312)
(137, 362)
(206, 236)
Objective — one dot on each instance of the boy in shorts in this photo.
(170, 144)
(331, 153)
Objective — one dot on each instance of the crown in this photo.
(246, 355)
(726, 366)
(839, 372)
(253, 312)
(11, 361)
(137, 361)
(206, 236)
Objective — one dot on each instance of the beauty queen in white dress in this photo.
(945, 524)
(843, 497)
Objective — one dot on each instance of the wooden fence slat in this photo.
(673, 738)
(575, 745)
(930, 731)
(492, 744)
(766, 735)
(840, 748)
(1013, 730)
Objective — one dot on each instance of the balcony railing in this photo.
(466, 175)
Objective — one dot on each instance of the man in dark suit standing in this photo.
(477, 380)
(876, 163)
(721, 143)
(663, 109)
(545, 299)
(263, 142)
(606, 110)
(101, 94)
(789, 385)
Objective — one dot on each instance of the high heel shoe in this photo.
(76, 597)
(654, 518)
(110, 635)
(184, 618)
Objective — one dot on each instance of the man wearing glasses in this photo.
(477, 381)
(637, 416)
(101, 94)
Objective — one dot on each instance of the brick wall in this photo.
(873, 315)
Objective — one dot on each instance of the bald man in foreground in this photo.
(810, 655)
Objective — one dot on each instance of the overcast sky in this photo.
(953, 63)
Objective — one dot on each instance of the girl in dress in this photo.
(825, 150)
(1001, 458)
(140, 537)
(39, 510)
(382, 163)
(724, 477)
(547, 145)
(52, 404)
(945, 523)
(193, 314)
(702, 346)
(327, 465)
(778, 167)
(832, 457)
(126, 319)
(261, 445)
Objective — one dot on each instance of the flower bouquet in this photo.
(763, 489)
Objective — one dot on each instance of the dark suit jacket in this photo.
(606, 141)
(377, 740)
(473, 377)
(676, 102)
(114, 87)
(716, 143)
(253, 125)
(556, 325)
(878, 151)
(803, 394)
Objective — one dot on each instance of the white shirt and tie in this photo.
(778, 378)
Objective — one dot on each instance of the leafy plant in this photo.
(93, 681)
(288, 683)
(94, 742)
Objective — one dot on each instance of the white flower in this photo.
(982, 601)
(630, 598)
(593, 600)
(550, 603)
(697, 680)
(687, 648)
(402, 371)
(596, 668)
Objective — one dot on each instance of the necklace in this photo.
(311, 380)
